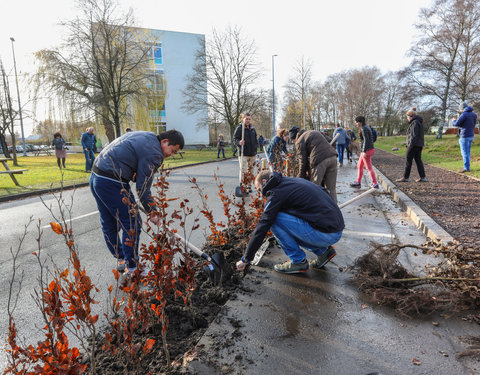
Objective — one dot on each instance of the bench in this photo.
(46, 150)
(11, 172)
(178, 153)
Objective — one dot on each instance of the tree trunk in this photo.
(3, 142)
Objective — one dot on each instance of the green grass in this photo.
(43, 172)
(444, 153)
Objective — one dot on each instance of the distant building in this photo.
(173, 58)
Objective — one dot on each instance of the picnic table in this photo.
(180, 153)
(48, 151)
(11, 172)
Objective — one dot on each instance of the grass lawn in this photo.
(43, 172)
(443, 152)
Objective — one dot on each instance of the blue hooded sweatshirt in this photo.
(466, 123)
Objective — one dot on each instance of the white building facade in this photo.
(173, 58)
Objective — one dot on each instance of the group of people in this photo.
(89, 147)
(301, 211)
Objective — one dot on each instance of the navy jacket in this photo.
(251, 144)
(297, 197)
(133, 153)
(466, 123)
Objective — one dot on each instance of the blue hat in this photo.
(463, 106)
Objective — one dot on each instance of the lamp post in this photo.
(18, 96)
(273, 94)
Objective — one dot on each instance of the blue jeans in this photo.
(223, 152)
(340, 151)
(465, 146)
(89, 158)
(292, 232)
(115, 216)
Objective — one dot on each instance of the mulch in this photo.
(451, 199)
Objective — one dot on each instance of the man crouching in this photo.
(301, 215)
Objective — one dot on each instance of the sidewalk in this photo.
(318, 322)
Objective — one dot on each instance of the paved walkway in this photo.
(318, 322)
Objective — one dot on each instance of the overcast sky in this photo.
(335, 35)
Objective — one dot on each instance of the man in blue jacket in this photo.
(301, 215)
(135, 156)
(341, 142)
(466, 123)
(88, 146)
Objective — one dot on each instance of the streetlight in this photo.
(273, 94)
(18, 95)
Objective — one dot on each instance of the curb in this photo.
(9, 198)
(423, 221)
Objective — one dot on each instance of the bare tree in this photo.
(435, 53)
(298, 88)
(7, 115)
(466, 74)
(227, 71)
(103, 62)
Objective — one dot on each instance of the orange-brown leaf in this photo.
(57, 228)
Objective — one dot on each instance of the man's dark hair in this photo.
(360, 119)
(174, 138)
(247, 114)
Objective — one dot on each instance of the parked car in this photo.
(18, 148)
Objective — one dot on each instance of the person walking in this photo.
(466, 124)
(261, 142)
(415, 143)
(60, 149)
(135, 156)
(341, 142)
(301, 215)
(220, 146)
(351, 137)
(277, 147)
(316, 156)
(366, 152)
(247, 138)
(89, 145)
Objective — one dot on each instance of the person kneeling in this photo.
(301, 215)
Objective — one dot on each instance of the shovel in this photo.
(238, 190)
(217, 267)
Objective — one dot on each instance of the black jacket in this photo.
(415, 132)
(251, 144)
(296, 197)
(366, 139)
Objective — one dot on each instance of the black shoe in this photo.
(324, 258)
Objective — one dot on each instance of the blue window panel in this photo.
(157, 55)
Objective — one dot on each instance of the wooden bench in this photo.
(11, 172)
(178, 153)
(46, 150)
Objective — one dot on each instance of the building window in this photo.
(156, 53)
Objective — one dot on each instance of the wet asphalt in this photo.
(319, 323)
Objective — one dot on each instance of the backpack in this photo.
(374, 134)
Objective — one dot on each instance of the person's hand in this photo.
(241, 143)
(241, 265)
(86, 149)
(362, 154)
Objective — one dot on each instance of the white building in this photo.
(173, 58)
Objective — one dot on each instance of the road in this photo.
(81, 207)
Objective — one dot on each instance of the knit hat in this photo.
(463, 106)
(293, 132)
(412, 112)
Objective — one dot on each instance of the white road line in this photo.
(75, 218)
(368, 234)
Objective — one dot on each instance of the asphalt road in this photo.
(80, 206)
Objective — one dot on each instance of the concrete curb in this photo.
(8, 198)
(424, 222)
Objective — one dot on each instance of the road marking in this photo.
(75, 218)
(369, 234)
